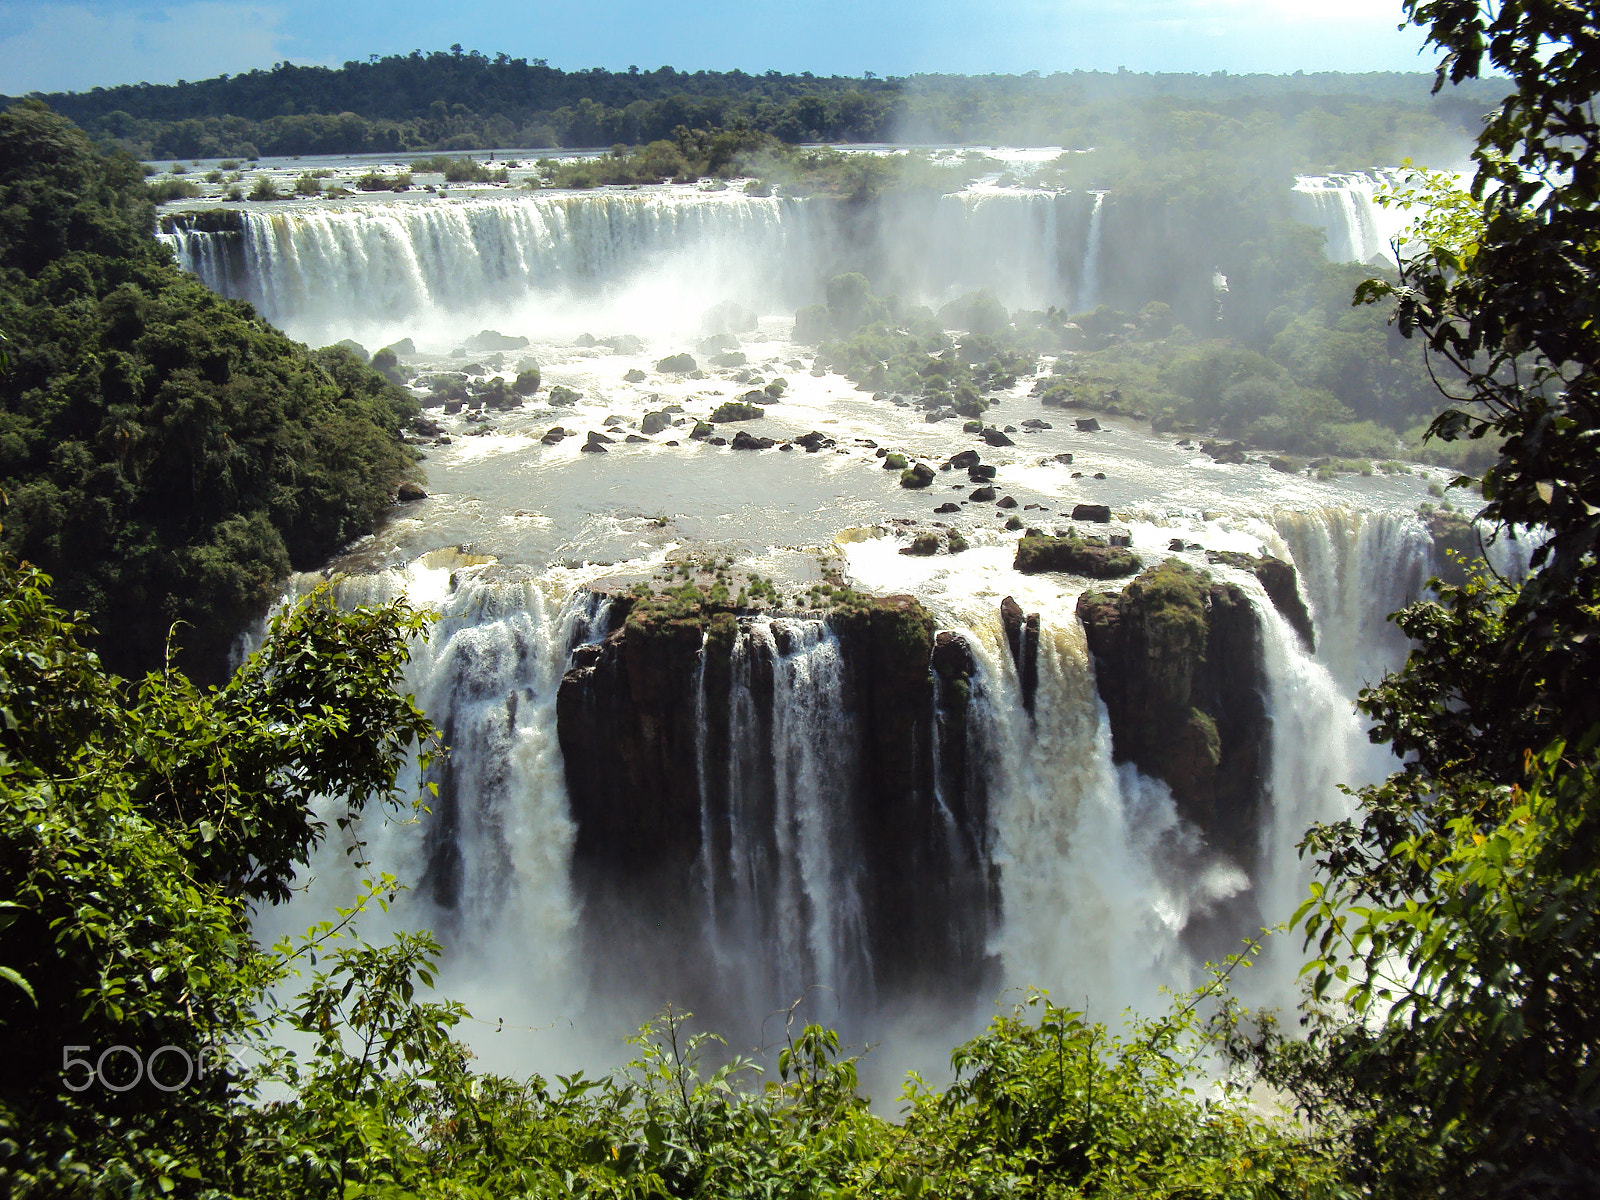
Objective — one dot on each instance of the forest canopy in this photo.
(465, 100)
(165, 454)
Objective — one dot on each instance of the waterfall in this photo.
(1345, 208)
(379, 270)
(1089, 291)
(389, 267)
(781, 862)
(1355, 568)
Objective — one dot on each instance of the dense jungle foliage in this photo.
(460, 100)
(165, 454)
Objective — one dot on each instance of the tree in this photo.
(138, 822)
(1454, 1012)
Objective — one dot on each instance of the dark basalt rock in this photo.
(1088, 425)
(1006, 502)
(981, 473)
(814, 442)
(949, 506)
(924, 544)
(917, 475)
(744, 441)
(634, 752)
(1091, 512)
(634, 437)
(1177, 660)
(701, 431)
(1064, 458)
(1282, 585)
(408, 492)
(995, 438)
(1454, 537)
(1088, 557)
(553, 435)
(1022, 636)
(965, 460)
(1035, 424)
(593, 448)
(653, 423)
(600, 439)
(982, 494)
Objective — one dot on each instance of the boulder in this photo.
(1035, 424)
(634, 437)
(701, 430)
(743, 441)
(924, 544)
(600, 439)
(918, 475)
(654, 422)
(409, 491)
(553, 436)
(1087, 425)
(1281, 583)
(814, 441)
(982, 473)
(1091, 512)
(593, 448)
(982, 494)
(995, 438)
(948, 507)
(965, 460)
(676, 364)
(1090, 558)
(1178, 663)
(1064, 458)
(634, 375)
(490, 340)
(1022, 636)
(1006, 502)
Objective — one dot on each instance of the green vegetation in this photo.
(458, 170)
(1317, 377)
(166, 455)
(891, 349)
(1450, 1016)
(737, 410)
(1090, 557)
(463, 100)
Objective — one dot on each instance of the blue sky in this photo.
(50, 45)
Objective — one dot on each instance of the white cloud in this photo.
(71, 47)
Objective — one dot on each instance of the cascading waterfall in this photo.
(1355, 568)
(1345, 208)
(382, 270)
(781, 864)
(1100, 879)
(1089, 289)
(455, 263)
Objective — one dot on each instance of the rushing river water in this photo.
(1101, 890)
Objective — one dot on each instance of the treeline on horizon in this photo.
(458, 100)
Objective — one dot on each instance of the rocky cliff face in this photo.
(649, 721)
(1177, 660)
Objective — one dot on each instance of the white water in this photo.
(1345, 208)
(651, 259)
(1106, 894)
(1089, 290)
(791, 916)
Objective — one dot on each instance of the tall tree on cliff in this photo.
(1455, 1011)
